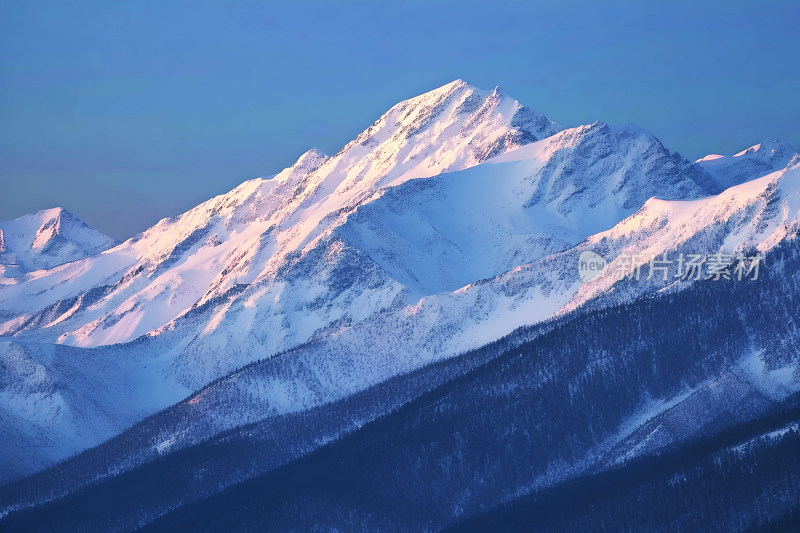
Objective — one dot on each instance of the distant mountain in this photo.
(45, 240)
(756, 161)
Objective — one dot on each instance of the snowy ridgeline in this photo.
(454, 219)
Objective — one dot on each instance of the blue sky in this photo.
(125, 112)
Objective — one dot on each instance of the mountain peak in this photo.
(769, 149)
(449, 128)
(310, 160)
(48, 238)
(44, 217)
(455, 84)
(51, 214)
(458, 85)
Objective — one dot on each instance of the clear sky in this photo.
(125, 112)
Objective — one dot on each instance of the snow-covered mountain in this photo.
(45, 240)
(267, 250)
(453, 220)
(261, 229)
(758, 160)
(415, 238)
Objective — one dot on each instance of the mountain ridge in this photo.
(767, 156)
(445, 225)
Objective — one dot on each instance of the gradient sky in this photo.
(125, 112)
